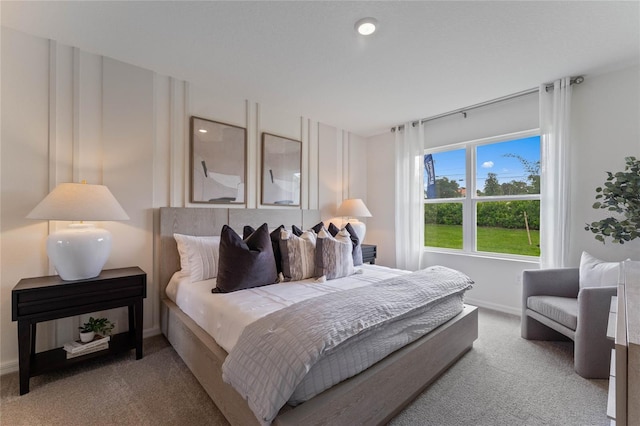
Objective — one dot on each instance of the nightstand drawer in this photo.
(49, 297)
(29, 304)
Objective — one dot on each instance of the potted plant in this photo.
(620, 195)
(95, 325)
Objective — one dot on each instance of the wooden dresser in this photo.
(624, 326)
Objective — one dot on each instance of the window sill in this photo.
(484, 255)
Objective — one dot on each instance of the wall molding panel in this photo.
(345, 165)
(178, 98)
(304, 166)
(314, 163)
(254, 157)
(75, 117)
(52, 330)
(52, 140)
(253, 140)
(87, 118)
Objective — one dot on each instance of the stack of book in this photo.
(78, 348)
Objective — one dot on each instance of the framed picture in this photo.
(281, 163)
(218, 162)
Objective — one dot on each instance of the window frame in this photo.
(471, 199)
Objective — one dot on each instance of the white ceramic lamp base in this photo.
(79, 251)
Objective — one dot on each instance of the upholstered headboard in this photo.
(209, 221)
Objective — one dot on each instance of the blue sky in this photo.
(490, 159)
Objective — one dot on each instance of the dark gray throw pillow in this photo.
(333, 230)
(296, 231)
(357, 249)
(275, 238)
(245, 263)
(315, 228)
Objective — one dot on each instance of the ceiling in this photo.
(428, 57)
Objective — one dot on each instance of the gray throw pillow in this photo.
(333, 255)
(298, 255)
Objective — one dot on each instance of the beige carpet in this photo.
(504, 380)
(159, 389)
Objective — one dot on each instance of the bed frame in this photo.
(372, 397)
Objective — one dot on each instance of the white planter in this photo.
(87, 336)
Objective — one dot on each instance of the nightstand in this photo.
(369, 253)
(34, 300)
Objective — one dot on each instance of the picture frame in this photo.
(218, 162)
(281, 170)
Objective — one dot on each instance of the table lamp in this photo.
(81, 250)
(352, 208)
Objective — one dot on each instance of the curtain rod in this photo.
(463, 111)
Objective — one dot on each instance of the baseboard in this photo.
(150, 332)
(12, 366)
(493, 306)
(9, 367)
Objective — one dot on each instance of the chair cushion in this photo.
(563, 310)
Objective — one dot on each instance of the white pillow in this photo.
(597, 273)
(198, 256)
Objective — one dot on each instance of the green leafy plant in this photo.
(621, 195)
(98, 325)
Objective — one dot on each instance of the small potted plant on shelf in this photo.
(95, 325)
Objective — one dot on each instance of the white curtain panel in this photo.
(409, 207)
(555, 188)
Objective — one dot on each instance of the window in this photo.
(484, 196)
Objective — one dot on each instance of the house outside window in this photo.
(484, 196)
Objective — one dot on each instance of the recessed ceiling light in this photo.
(366, 26)
(202, 130)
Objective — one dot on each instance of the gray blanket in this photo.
(274, 353)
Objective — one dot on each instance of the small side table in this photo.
(369, 253)
(34, 300)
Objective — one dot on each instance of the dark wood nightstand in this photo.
(34, 300)
(369, 253)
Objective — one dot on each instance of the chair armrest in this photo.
(592, 349)
(561, 282)
(593, 307)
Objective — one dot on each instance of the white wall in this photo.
(606, 128)
(69, 115)
(501, 118)
(606, 117)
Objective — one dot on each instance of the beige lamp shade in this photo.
(79, 201)
(80, 251)
(352, 208)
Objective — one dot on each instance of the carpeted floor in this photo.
(503, 380)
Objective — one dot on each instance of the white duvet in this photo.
(225, 316)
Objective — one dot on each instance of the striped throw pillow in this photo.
(333, 255)
(298, 255)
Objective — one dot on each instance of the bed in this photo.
(373, 396)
